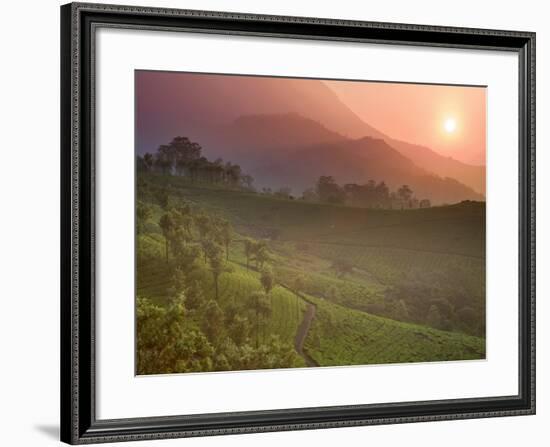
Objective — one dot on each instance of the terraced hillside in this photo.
(388, 286)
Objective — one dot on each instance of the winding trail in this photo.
(305, 325)
(303, 329)
(302, 332)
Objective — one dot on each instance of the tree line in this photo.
(428, 303)
(183, 157)
(368, 195)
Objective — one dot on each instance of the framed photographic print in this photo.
(282, 223)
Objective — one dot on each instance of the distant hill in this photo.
(230, 120)
(197, 105)
(429, 160)
(357, 161)
(257, 140)
(282, 131)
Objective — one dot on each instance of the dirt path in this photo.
(303, 329)
(302, 332)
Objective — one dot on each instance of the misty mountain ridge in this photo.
(471, 175)
(197, 105)
(294, 151)
(207, 108)
(286, 130)
(258, 140)
(200, 106)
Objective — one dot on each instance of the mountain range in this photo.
(284, 134)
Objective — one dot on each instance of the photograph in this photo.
(288, 222)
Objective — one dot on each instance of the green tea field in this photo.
(246, 280)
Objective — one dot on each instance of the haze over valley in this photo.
(288, 132)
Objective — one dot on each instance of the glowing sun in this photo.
(449, 125)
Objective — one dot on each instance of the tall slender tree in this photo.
(267, 279)
(148, 161)
(212, 324)
(215, 260)
(168, 227)
(226, 234)
(249, 247)
(261, 306)
(405, 193)
(261, 254)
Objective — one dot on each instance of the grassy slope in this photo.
(382, 247)
(235, 287)
(451, 229)
(440, 245)
(344, 336)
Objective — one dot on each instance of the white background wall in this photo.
(29, 223)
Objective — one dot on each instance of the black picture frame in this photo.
(78, 421)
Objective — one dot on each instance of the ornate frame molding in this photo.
(78, 25)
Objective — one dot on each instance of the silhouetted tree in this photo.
(186, 253)
(212, 323)
(405, 193)
(226, 234)
(182, 152)
(382, 194)
(249, 246)
(167, 225)
(148, 161)
(267, 279)
(164, 159)
(233, 174)
(261, 254)
(215, 260)
(247, 181)
(261, 306)
(329, 191)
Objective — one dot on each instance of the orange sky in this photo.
(417, 113)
